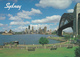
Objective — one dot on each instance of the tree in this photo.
(43, 40)
(77, 52)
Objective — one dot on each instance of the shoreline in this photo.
(57, 38)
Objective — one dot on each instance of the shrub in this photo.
(43, 40)
(77, 52)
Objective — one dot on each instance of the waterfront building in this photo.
(29, 27)
(32, 29)
(5, 31)
(49, 31)
(28, 31)
(36, 31)
(8, 33)
(45, 28)
(25, 31)
(40, 30)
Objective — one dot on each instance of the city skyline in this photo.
(30, 30)
(34, 13)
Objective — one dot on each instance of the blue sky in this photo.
(36, 13)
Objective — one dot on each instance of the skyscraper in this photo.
(40, 30)
(25, 31)
(32, 29)
(29, 27)
(45, 28)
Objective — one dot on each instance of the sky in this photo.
(36, 13)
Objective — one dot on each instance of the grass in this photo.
(66, 37)
(60, 52)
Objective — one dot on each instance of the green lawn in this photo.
(60, 52)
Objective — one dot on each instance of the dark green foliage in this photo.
(69, 47)
(31, 49)
(46, 33)
(18, 32)
(43, 40)
(53, 48)
(77, 52)
(78, 36)
(53, 32)
(11, 43)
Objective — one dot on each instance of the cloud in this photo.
(13, 0)
(10, 0)
(37, 26)
(9, 15)
(3, 25)
(15, 18)
(2, 18)
(27, 14)
(70, 10)
(68, 30)
(20, 28)
(24, 14)
(59, 4)
(19, 23)
(56, 28)
(7, 28)
(48, 19)
(76, 0)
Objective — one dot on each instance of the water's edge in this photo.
(25, 39)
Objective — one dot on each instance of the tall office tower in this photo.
(26, 31)
(32, 29)
(40, 30)
(29, 27)
(36, 31)
(45, 28)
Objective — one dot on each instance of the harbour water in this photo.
(25, 39)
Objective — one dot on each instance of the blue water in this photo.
(25, 39)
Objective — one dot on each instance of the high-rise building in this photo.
(28, 31)
(25, 31)
(29, 27)
(36, 31)
(32, 29)
(45, 28)
(40, 30)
